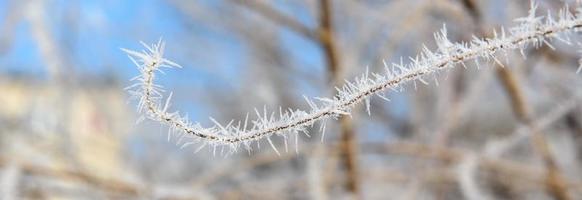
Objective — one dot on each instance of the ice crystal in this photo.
(531, 30)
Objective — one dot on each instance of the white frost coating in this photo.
(534, 30)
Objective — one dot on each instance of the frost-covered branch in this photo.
(531, 30)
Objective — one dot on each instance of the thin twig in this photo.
(532, 30)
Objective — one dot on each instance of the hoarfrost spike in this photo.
(273, 146)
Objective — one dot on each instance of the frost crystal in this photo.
(532, 29)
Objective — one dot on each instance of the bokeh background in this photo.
(68, 129)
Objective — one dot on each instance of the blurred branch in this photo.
(554, 180)
(12, 17)
(10, 177)
(108, 185)
(554, 183)
(349, 145)
(328, 41)
(519, 171)
(506, 167)
(279, 18)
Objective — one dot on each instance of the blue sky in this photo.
(95, 30)
(99, 30)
